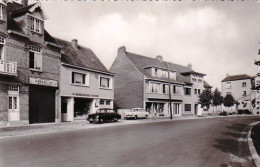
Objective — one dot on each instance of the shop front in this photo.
(162, 107)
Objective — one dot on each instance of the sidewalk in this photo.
(83, 124)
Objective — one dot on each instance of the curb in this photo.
(251, 146)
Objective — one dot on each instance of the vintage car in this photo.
(102, 115)
(136, 113)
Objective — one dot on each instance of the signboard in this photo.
(44, 82)
(85, 95)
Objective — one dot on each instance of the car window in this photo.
(110, 111)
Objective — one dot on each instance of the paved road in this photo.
(192, 143)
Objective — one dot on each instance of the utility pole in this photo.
(169, 84)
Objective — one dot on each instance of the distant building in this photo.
(241, 87)
(143, 82)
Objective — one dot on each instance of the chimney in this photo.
(74, 43)
(189, 66)
(159, 58)
(24, 3)
(121, 50)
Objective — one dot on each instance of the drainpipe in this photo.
(169, 84)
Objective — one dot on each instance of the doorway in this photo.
(82, 108)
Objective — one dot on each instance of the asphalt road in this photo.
(193, 143)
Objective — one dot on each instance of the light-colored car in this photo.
(136, 113)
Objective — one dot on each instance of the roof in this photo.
(141, 62)
(192, 72)
(81, 57)
(21, 11)
(207, 85)
(236, 77)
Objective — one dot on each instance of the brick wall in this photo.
(128, 83)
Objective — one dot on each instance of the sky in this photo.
(217, 38)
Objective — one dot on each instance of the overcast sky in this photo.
(215, 37)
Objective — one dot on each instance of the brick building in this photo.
(29, 66)
(142, 82)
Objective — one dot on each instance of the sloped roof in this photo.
(82, 57)
(236, 77)
(206, 85)
(21, 11)
(142, 61)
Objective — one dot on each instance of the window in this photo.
(199, 91)
(35, 25)
(105, 102)
(200, 80)
(2, 43)
(176, 90)
(13, 103)
(187, 107)
(13, 88)
(35, 58)
(165, 89)
(173, 75)
(195, 91)
(165, 73)
(79, 78)
(194, 80)
(156, 72)
(102, 102)
(1, 12)
(104, 82)
(244, 93)
(228, 85)
(244, 84)
(187, 91)
(154, 87)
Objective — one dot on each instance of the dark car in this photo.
(102, 115)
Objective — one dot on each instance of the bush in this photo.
(244, 111)
(224, 113)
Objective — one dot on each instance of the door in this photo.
(177, 109)
(13, 108)
(41, 104)
(195, 109)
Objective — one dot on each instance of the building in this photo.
(143, 82)
(240, 87)
(29, 66)
(86, 84)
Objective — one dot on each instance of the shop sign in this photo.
(44, 82)
(85, 95)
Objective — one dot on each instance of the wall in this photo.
(128, 83)
(236, 88)
(67, 89)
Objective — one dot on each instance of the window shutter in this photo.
(38, 60)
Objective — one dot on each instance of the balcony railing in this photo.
(8, 67)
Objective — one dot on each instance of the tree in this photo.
(205, 98)
(217, 98)
(228, 100)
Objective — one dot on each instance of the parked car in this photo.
(102, 115)
(136, 113)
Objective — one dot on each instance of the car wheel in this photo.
(100, 120)
(136, 117)
(90, 121)
(115, 119)
(146, 116)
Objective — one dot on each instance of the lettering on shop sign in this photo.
(85, 95)
(44, 82)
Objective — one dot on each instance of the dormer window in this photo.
(35, 25)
